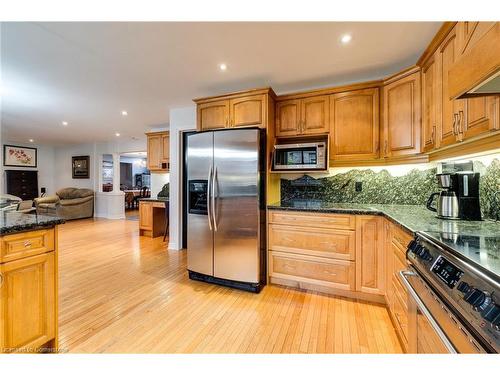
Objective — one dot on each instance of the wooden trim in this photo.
(330, 90)
(237, 94)
(486, 142)
(446, 27)
(162, 132)
(405, 159)
(403, 73)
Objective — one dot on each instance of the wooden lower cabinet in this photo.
(151, 218)
(357, 256)
(327, 252)
(28, 298)
(370, 255)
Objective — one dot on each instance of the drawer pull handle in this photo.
(330, 273)
(27, 244)
(1, 280)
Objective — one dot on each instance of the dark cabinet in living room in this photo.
(22, 184)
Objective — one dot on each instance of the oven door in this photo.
(433, 328)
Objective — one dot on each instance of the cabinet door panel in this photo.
(165, 151)
(448, 130)
(402, 117)
(27, 302)
(247, 111)
(287, 118)
(146, 215)
(315, 115)
(370, 260)
(213, 115)
(354, 125)
(481, 116)
(154, 152)
(429, 103)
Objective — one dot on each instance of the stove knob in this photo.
(412, 246)
(491, 313)
(463, 287)
(475, 297)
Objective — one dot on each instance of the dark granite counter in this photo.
(154, 199)
(410, 217)
(13, 222)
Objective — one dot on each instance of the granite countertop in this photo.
(13, 222)
(158, 199)
(410, 217)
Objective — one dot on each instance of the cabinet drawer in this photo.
(338, 274)
(22, 245)
(331, 243)
(313, 219)
(400, 313)
(400, 237)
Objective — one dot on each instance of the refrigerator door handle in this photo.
(209, 195)
(214, 209)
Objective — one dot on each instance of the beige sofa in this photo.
(68, 203)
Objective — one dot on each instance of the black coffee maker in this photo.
(467, 191)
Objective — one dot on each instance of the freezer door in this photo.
(236, 214)
(199, 158)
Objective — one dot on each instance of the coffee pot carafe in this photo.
(447, 202)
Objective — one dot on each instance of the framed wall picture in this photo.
(19, 156)
(81, 166)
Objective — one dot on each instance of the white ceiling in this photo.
(87, 73)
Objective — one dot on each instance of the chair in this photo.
(25, 207)
(167, 209)
(144, 193)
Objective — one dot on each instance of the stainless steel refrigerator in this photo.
(226, 221)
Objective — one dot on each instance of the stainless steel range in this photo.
(454, 288)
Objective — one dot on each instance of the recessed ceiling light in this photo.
(346, 38)
(124, 113)
(65, 123)
(223, 67)
(32, 140)
(117, 134)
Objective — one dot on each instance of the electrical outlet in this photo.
(359, 186)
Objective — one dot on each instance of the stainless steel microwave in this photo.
(300, 157)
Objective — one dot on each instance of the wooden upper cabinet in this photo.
(213, 115)
(28, 302)
(154, 152)
(370, 255)
(302, 116)
(315, 115)
(247, 111)
(287, 117)
(241, 109)
(401, 116)
(481, 115)
(430, 98)
(354, 125)
(158, 151)
(468, 33)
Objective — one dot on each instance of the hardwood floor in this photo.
(122, 293)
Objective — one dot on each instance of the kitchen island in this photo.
(28, 282)
(152, 216)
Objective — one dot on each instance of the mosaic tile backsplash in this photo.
(382, 188)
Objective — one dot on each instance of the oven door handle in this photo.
(449, 346)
